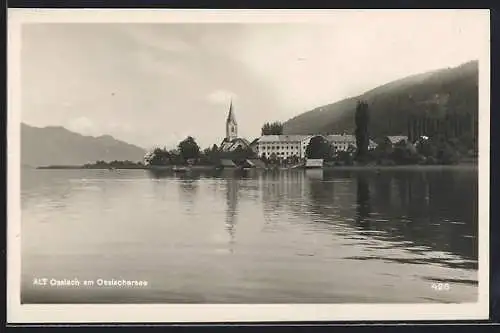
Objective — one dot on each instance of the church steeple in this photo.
(231, 125)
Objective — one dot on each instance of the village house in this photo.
(342, 142)
(254, 145)
(395, 139)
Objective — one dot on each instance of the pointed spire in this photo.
(230, 116)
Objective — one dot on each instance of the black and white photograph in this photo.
(248, 165)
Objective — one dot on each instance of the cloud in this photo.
(221, 96)
(155, 36)
(316, 64)
(166, 77)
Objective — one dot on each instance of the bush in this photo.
(405, 154)
(447, 154)
(386, 162)
(431, 160)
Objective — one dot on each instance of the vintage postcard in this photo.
(247, 165)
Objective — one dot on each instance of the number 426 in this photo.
(440, 286)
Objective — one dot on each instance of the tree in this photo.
(294, 159)
(189, 149)
(383, 149)
(159, 157)
(214, 155)
(362, 118)
(318, 148)
(426, 147)
(345, 157)
(447, 154)
(405, 153)
(468, 142)
(209, 156)
(240, 154)
(275, 128)
(272, 158)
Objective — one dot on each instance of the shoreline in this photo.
(401, 167)
(325, 168)
(157, 168)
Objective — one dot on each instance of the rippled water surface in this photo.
(261, 237)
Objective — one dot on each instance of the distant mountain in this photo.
(446, 90)
(55, 145)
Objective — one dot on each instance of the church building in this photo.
(231, 142)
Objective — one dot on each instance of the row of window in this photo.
(282, 145)
(341, 146)
(281, 153)
(278, 148)
(297, 147)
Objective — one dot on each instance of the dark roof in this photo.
(254, 141)
(236, 139)
(397, 138)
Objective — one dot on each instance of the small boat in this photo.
(243, 168)
(180, 169)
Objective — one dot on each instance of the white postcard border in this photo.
(71, 313)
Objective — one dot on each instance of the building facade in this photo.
(282, 146)
(342, 142)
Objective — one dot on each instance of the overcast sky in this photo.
(154, 84)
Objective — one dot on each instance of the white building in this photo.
(283, 146)
(289, 145)
(341, 142)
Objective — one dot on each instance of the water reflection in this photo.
(232, 189)
(188, 186)
(281, 192)
(363, 203)
(418, 212)
(160, 173)
(295, 236)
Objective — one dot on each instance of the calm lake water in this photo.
(263, 237)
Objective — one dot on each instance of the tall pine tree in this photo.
(362, 119)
